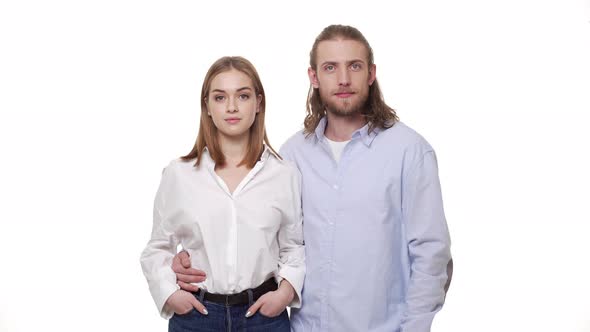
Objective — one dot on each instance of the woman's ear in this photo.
(207, 106)
(258, 101)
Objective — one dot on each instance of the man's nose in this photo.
(344, 77)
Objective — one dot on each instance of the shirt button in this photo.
(336, 187)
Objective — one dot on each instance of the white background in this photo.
(97, 96)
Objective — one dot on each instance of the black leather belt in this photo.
(240, 298)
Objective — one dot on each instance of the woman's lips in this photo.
(232, 120)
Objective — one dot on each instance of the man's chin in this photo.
(343, 111)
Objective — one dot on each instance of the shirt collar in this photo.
(321, 129)
(269, 152)
(361, 133)
(366, 136)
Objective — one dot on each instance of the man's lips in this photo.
(343, 94)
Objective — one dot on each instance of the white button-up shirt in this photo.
(239, 239)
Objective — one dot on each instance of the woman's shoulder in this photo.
(179, 166)
(286, 168)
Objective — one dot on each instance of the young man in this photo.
(377, 243)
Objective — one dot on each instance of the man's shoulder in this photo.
(404, 136)
(402, 131)
(296, 140)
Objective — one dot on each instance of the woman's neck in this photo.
(234, 149)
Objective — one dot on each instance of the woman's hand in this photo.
(273, 303)
(181, 302)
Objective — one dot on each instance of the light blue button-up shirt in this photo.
(377, 243)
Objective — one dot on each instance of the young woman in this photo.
(234, 205)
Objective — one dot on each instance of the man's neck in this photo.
(340, 128)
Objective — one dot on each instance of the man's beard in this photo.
(347, 107)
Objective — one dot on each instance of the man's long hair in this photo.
(377, 113)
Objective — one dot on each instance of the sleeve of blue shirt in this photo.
(428, 243)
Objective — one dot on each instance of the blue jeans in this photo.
(228, 318)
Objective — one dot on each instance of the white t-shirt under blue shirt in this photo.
(337, 148)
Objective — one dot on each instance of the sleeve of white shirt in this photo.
(428, 244)
(290, 238)
(156, 258)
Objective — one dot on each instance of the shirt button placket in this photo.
(331, 231)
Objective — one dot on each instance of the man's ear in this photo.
(372, 74)
(313, 78)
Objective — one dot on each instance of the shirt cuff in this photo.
(295, 277)
(161, 291)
